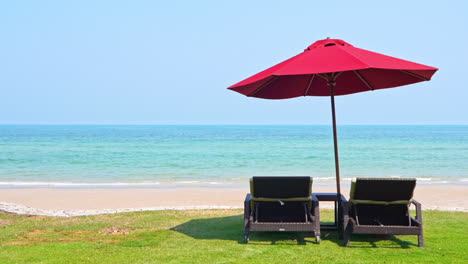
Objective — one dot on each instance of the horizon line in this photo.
(221, 124)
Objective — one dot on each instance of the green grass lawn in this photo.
(214, 236)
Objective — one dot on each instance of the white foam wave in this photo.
(187, 182)
(75, 184)
(424, 179)
(324, 178)
(440, 182)
(101, 184)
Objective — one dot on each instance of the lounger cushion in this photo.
(382, 190)
(287, 187)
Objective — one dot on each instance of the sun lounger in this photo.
(283, 204)
(381, 206)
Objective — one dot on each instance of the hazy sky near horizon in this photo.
(170, 62)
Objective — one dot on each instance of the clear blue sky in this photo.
(170, 62)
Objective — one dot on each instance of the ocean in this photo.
(225, 155)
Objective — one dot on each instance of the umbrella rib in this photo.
(330, 76)
(363, 80)
(415, 75)
(310, 84)
(323, 76)
(337, 74)
(263, 85)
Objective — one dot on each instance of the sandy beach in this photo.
(73, 202)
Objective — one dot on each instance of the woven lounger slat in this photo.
(287, 227)
(391, 230)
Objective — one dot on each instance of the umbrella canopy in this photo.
(332, 67)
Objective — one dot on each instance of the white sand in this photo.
(74, 202)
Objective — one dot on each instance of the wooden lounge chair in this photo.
(381, 206)
(281, 204)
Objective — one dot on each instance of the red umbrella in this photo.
(332, 67)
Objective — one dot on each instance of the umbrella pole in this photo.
(338, 209)
(335, 138)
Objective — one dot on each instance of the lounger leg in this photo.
(247, 217)
(420, 240)
(246, 231)
(316, 211)
(346, 237)
(343, 209)
(317, 238)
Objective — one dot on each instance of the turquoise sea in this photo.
(225, 155)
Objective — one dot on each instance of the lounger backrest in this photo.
(285, 187)
(382, 190)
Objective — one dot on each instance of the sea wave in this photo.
(202, 182)
(424, 179)
(324, 178)
(74, 184)
(13, 184)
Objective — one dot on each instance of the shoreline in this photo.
(206, 183)
(66, 202)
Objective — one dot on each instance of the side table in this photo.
(338, 223)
